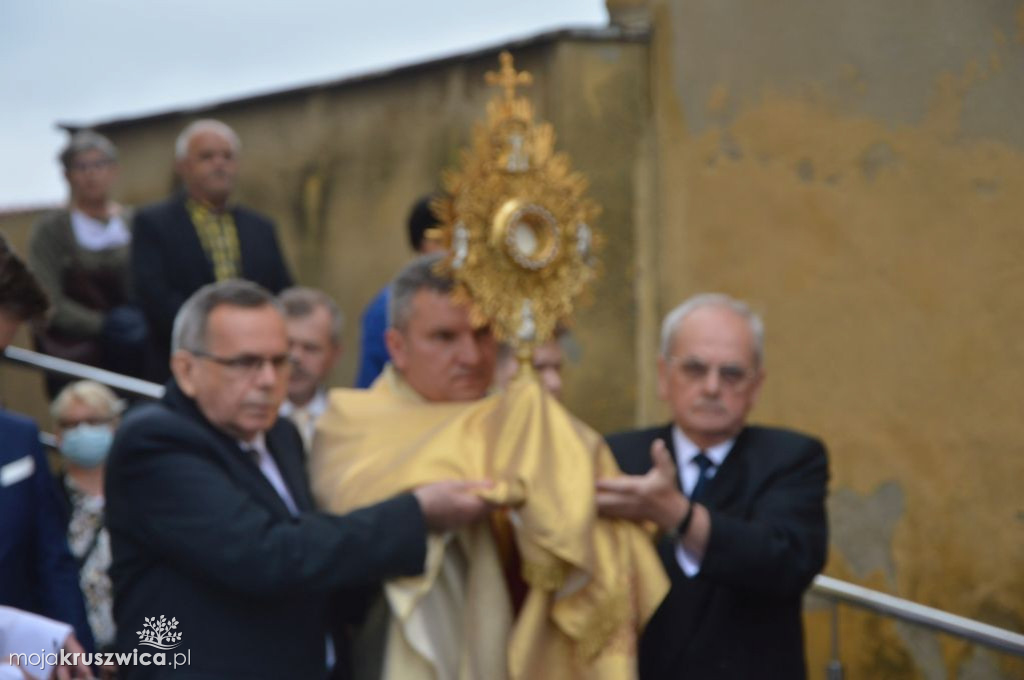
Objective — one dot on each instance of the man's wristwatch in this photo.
(680, 530)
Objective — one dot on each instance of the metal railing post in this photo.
(834, 669)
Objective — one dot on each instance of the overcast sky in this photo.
(88, 61)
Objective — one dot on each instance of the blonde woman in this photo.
(86, 414)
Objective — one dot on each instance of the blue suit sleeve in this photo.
(373, 353)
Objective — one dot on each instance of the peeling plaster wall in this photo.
(21, 389)
(854, 170)
(338, 168)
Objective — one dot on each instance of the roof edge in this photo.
(609, 33)
(17, 209)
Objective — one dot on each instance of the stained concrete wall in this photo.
(21, 389)
(338, 167)
(853, 169)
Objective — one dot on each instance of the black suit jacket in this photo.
(740, 616)
(199, 534)
(169, 263)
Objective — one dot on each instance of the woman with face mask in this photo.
(86, 415)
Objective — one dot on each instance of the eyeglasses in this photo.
(247, 364)
(732, 376)
(83, 166)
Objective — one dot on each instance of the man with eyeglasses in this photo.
(80, 254)
(741, 508)
(211, 517)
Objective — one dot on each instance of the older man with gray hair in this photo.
(199, 236)
(741, 508)
(210, 514)
(314, 341)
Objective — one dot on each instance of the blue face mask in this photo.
(87, 445)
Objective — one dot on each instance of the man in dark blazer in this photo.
(211, 519)
(741, 508)
(198, 236)
(37, 572)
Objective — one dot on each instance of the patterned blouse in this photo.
(90, 544)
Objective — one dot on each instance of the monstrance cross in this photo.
(508, 78)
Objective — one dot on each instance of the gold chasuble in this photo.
(592, 583)
(516, 224)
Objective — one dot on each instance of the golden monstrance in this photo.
(517, 221)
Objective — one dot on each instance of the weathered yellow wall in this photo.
(854, 170)
(339, 167)
(21, 389)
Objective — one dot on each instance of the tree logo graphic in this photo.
(159, 633)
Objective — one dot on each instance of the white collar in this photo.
(686, 449)
(315, 407)
(94, 234)
(257, 444)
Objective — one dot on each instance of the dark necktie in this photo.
(706, 467)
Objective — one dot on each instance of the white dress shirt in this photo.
(268, 467)
(689, 471)
(305, 417)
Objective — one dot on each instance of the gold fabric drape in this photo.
(592, 583)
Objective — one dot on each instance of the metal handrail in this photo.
(829, 588)
(49, 364)
(906, 610)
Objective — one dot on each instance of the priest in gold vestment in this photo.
(543, 590)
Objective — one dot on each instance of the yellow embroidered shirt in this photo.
(219, 237)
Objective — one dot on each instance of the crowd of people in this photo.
(201, 505)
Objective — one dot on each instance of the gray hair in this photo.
(418, 275)
(86, 140)
(92, 394)
(674, 318)
(299, 302)
(200, 126)
(192, 319)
